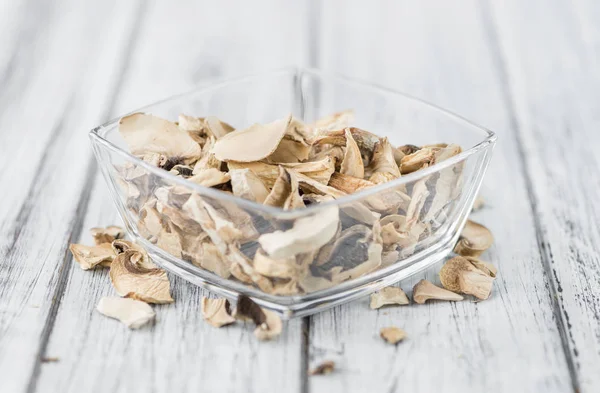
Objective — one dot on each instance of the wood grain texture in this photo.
(552, 85)
(508, 343)
(63, 48)
(180, 352)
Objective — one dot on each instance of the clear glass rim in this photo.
(97, 136)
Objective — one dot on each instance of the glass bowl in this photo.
(324, 254)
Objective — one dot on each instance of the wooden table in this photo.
(527, 69)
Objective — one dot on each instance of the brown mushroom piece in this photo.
(425, 290)
(392, 334)
(217, 312)
(417, 160)
(270, 328)
(135, 279)
(133, 313)
(89, 257)
(107, 235)
(285, 193)
(474, 240)
(253, 143)
(145, 133)
(460, 275)
(388, 296)
(268, 324)
(324, 368)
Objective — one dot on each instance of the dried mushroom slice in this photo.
(447, 182)
(395, 232)
(418, 160)
(307, 234)
(392, 334)
(146, 134)
(474, 240)
(217, 312)
(150, 223)
(207, 159)
(365, 140)
(319, 171)
(334, 121)
(212, 260)
(133, 313)
(133, 280)
(216, 128)
(348, 184)
(388, 296)
(383, 167)
(286, 268)
(253, 143)
(324, 368)
(191, 124)
(425, 290)
(107, 235)
(485, 267)
(462, 276)
(354, 253)
(89, 257)
(417, 201)
(246, 184)
(352, 164)
(210, 177)
(248, 311)
(285, 193)
(295, 146)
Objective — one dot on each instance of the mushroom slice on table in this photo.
(107, 235)
(133, 313)
(392, 334)
(388, 296)
(461, 275)
(217, 312)
(425, 290)
(474, 240)
(88, 257)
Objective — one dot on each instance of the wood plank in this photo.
(508, 343)
(552, 86)
(180, 352)
(58, 83)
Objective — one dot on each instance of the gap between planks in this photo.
(83, 202)
(498, 60)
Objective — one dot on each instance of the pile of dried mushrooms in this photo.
(286, 164)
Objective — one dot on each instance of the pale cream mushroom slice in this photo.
(388, 296)
(210, 177)
(212, 260)
(348, 184)
(383, 167)
(307, 234)
(417, 201)
(133, 313)
(461, 275)
(253, 143)
(447, 182)
(207, 159)
(352, 164)
(191, 123)
(107, 235)
(319, 171)
(286, 268)
(295, 145)
(395, 232)
(425, 290)
(88, 257)
(392, 334)
(217, 312)
(285, 193)
(146, 133)
(271, 328)
(216, 128)
(474, 240)
(132, 279)
(485, 267)
(246, 184)
(365, 140)
(334, 121)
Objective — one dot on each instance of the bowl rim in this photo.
(96, 136)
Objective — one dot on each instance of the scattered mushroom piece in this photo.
(217, 312)
(485, 267)
(246, 310)
(89, 257)
(270, 328)
(392, 334)
(478, 203)
(323, 368)
(133, 313)
(387, 296)
(474, 240)
(307, 234)
(425, 290)
(145, 133)
(253, 143)
(134, 280)
(462, 276)
(285, 192)
(107, 235)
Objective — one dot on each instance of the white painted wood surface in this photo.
(525, 69)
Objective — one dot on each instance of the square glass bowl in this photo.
(328, 253)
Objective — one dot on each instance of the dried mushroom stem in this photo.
(425, 290)
(474, 240)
